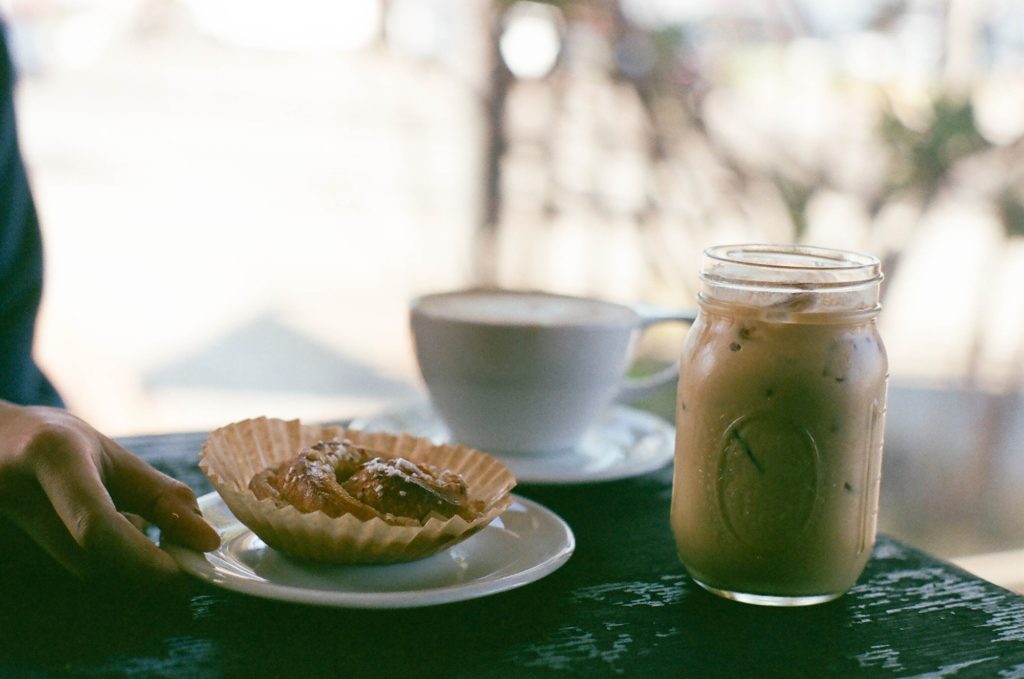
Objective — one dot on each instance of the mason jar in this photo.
(779, 424)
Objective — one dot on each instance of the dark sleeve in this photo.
(21, 260)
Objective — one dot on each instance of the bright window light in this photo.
(530, 42)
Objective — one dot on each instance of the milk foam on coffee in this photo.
(523, 308)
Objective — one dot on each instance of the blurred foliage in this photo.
(921, 159)
(1011, 211)
(675, 69)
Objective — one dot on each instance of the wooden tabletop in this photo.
(622, 605)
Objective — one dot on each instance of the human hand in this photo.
(69, 488)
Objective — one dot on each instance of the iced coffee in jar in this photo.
(780, 417)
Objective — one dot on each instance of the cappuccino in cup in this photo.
(526, 372)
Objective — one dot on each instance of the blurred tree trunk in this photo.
(495, 96)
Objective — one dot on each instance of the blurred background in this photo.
(239, 198)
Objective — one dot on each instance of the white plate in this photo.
(525, 543)
(622, 443)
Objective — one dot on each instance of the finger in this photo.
(134, 519)
(36, 518)
(71, 482)
(170, 504)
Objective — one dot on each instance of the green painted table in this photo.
(621, 606)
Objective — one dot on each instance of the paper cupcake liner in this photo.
(233, 454)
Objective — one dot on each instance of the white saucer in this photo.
(622, 443)
(525, 543)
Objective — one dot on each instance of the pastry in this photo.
(337, 477)
(337, 495)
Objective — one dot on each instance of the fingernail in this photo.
(214, 540)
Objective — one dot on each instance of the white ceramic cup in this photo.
(527, 372)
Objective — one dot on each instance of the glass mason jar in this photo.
(779, 424)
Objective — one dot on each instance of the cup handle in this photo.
(637, 388)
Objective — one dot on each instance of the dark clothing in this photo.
(21, 259)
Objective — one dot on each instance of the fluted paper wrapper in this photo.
(233, 454)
